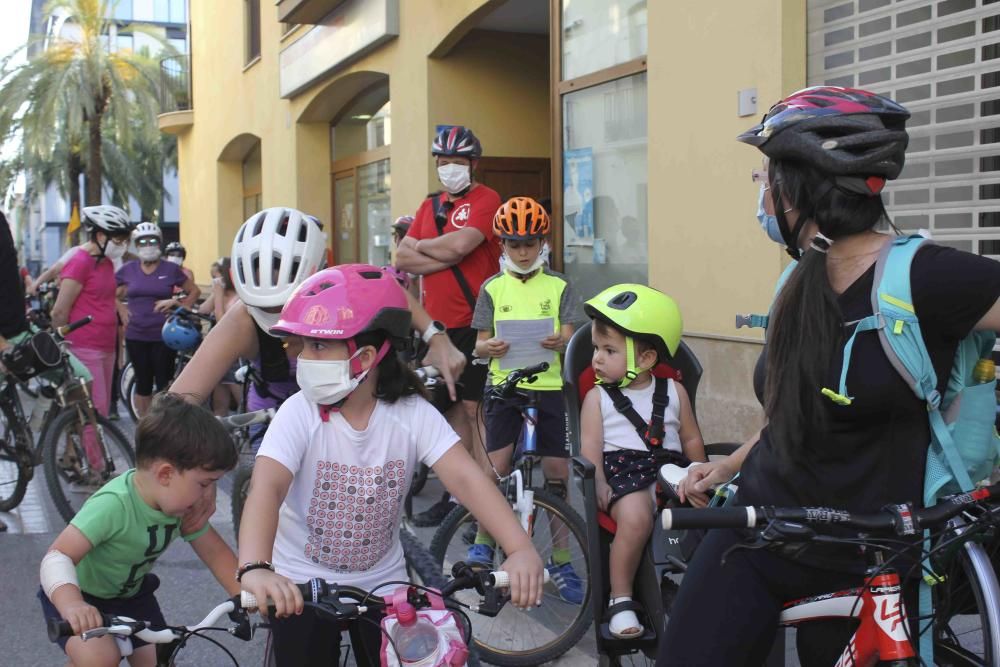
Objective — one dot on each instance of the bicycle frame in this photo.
(882, 634)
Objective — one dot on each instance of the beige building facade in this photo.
(623, 112)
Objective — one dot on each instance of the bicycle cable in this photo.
(197, 633)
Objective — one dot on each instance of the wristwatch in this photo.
(433, 329)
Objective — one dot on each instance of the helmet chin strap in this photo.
(632, 369)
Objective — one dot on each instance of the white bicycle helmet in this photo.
(108, 219)
(273, 252)
(144, 229)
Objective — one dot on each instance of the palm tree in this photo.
(67, 99)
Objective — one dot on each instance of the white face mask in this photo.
(327, 382)
(454, 177)
(149, 254)
(176, 259)
(114, 251)
(264, 319)
(507, 263)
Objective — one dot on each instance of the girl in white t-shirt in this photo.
(335, 464)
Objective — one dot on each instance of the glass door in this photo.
(345, 242)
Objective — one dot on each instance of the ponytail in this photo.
(807, 325)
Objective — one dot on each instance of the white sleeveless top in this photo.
(619, 433)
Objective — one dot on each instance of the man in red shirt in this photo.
(451, 244)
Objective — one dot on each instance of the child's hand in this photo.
(195, 518)
(281, 591)
(496, 347)
(554, 342)
(603, 490)
(525, 569)
(696, 487)
(82, 616)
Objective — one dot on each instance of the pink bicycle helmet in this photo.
(344, 301)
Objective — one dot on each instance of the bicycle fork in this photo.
(524, 502)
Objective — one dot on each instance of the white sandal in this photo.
(624, 624)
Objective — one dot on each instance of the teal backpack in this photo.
(964, 447)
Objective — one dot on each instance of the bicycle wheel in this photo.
(967, 609)
(129, 399)
(67, 471)
(421, 566)
(16, 464)
(241, 487)
(516, 638)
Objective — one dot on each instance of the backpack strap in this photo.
(650, 433)
(440, 220)
(761, 321)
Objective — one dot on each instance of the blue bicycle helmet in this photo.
(180, 334)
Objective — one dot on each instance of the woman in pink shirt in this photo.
(88, 288)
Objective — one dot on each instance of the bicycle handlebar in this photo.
(67, 329)
(903, 519)
(506, 388)
(234, 422)
(124, 626)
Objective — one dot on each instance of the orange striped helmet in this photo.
(521, 218)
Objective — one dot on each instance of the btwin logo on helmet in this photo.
(327, 332)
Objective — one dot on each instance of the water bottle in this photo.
(416, 638)
(984, 371)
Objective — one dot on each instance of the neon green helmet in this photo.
(639, 312)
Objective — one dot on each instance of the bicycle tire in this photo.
(15, 450)
(970, 579)
(128, 398)
(241, 487)
(448, 539)
(421, 566)
(58, 479)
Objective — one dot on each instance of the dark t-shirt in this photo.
(12, 312)
(874, 450)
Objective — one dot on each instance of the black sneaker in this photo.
(434, 514)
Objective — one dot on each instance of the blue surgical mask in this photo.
(769, 223)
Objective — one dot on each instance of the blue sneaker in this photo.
(567, 581)
(480, 554)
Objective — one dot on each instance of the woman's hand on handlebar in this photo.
(166, 305)
(696, 487)
(82, 616)
(525, 570)
(448, 359)
(272, 588)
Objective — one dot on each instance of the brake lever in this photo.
(243, 629)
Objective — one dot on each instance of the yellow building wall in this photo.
(701, 198)
(232, 99)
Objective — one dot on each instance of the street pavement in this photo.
(187, 591)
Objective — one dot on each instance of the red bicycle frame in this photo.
(878, 605)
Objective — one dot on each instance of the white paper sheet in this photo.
(525, 339)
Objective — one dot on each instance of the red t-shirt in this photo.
(443, 298)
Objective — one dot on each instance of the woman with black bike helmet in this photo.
(828, 153)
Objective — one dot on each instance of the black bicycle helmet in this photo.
(175, 248)
(841, 131)
(456, 141)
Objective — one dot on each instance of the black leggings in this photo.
(151, 360)
(308, 641)
(728, 614)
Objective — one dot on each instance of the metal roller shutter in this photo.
(942, 61)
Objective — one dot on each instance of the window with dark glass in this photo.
(252, 28)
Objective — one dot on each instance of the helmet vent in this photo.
(283, 224)
(294, 271)
(254, 270)
(370, 275)
(258, 226)
(622, 300)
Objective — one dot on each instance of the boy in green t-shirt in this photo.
(525, 290)
(101, 562)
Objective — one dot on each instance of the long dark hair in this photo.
(806, 323)
(395, 379)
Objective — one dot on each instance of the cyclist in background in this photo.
(354, 434)
(634, 328)
(148, 283)
(88, 288)
(827, 152)
(176, 253)
(526, 290)
(451, 245)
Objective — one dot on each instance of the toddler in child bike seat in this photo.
(631, 423)
(101, 562)
(334, 466)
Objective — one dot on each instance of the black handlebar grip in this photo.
(685, 518)
(73, 326)
(58, 628)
